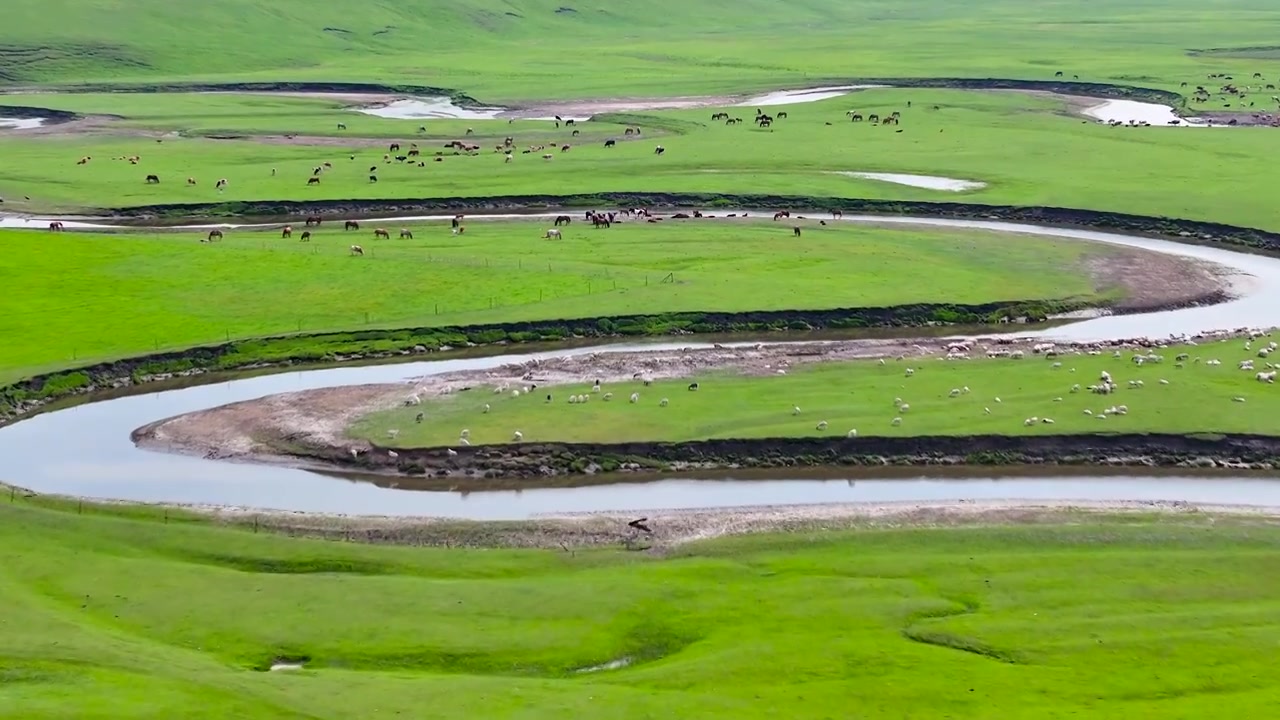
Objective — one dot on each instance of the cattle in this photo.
(873, 118)
(221, 184)
(306, 236)
(552, 235)
(381, 233)
(351, 225)
(373, 168)
(153, 179)
(563, 219)
(342, 126)
(564, 148)
(373, 178)
(610, 143)
(406, 234)
(286, 231)
(720, 116)
(357, 250)
(317, 170)
(191, 181)
(214, 235)
(313, 181)
(659, 150)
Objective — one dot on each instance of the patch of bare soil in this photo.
(670, 529)
(1153, 281)
(86, 125)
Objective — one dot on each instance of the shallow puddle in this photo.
(20, 123)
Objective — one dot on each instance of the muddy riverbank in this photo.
(309, 428)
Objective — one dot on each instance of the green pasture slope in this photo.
(1029, 150)
(94, 297)
(862, 396)
(499, 50)
(114, 616)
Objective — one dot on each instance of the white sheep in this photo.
(1163, 381)
(852, 433)
(965, 390)
(795, 410)
(412, 400)
(1056, 365)
(393, 454)
(663, 402)
(1047, 421)
(392, 434)
(1057, 399)
(1087, 411)
(515, 393)
(517, 436)
(910, 372)
(1267, 377)
(635, 398)
(955, 392)
(595, 388)
(1237, 399)
(822, 425)
(463, 441)
(451, 452)
(897, 421)
(573, 399)
(998, 400)
(1075, 388)
(897, 401)
(607, 396)
(486, 408)
(986, 411)
(904, 407)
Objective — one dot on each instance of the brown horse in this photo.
(306, 236)
(55, 226)
(286, 231)
(381, 233)
(214, 235)
(351, 225)
(313, 220)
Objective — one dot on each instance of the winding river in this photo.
(107, 465)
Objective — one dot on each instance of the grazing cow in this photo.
(381, 233)
(552, 235)
(221, 184)
(55, 226)
(313, 220)
(306, 236)
(610, 143)
(563, 219)
(781, 115)
(659, 150)
(152, 179)
(214, 235)
(313, 181)
(720, 116)
(373, 178)
(357, 250)
(629, 131)
(191, 181)
(796, 231)
(568, 122)
(564, 148)
(406, 234)
(286, 231)
(351, 225)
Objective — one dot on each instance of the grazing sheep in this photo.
(904, 407)
(1163, 381)
(412, 400)
(465, 433)
(1075, 388)
(955, 392)
(852, 433)
(986, 411)
(896, 421)
(517, 436)
(419, 417)
(463, 441)
(910, 372)
(573, 399)
(1047, 421)
(822, 425)
(964, 390)
(663, 402)
(998, 400)
(1267, 377)
(393, 454)
(635, 398)
(795, 410)
(486, 408)
(515, 393)
(1237, 399)
(1088, 411)
(608, 397)
(392, 434)
(451, 452)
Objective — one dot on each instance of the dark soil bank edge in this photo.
(27, 396)
(288, 210)
(538, 460)
(50, 116)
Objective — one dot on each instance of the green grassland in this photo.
(502, 50)
(93, 297)
(117, 616)
(862, 395)
(1029, 150)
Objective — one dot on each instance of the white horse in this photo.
(553, 235)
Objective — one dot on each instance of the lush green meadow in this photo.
(523, 49)
(864, 395)
(1029, 150)
(92, 297)
(108, 616)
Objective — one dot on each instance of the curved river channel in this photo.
(86, 450)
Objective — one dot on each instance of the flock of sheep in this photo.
(1105, 385)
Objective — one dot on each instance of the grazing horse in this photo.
(563, 219)
(381, 233)
(351, 225)
(610, 143)
(214, 235)
(152, 179)
(313, 181)
(659, 150)
(342, 126)
(313, 220)
(781, 115)
(405, 234)
(394, 147)
(836, 214)
(553, 235)
(55, 226)
(781, 214)
(286, 231)
(855, 117)
(873, 118)
(796, 231)
(357, 250)
(306, 236)
(456, 221)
